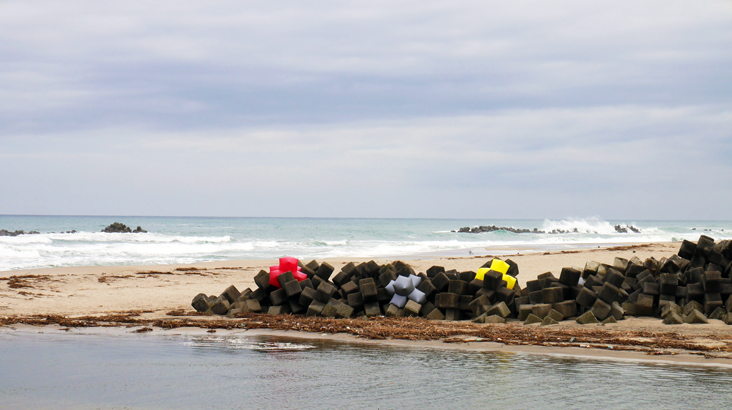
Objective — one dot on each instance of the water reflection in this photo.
(144, 371)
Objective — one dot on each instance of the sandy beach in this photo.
(91, 290)
(158, 297)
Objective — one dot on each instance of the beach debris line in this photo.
(118, 227)
(493, 228)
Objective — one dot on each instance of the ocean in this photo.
(180, 240)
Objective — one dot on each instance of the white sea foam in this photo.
(270, 239)
(588, 225)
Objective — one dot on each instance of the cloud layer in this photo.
(479, 109)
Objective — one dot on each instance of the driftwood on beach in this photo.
(688, 287)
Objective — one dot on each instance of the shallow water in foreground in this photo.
(73, 371)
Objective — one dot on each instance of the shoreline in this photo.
(473, 345)
(88, 290)
(159, 297)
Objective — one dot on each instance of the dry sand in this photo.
(160, 296)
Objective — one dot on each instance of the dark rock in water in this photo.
(626, 228)
(493, 228)
(5, 232)
(117, 227)
(139, 230)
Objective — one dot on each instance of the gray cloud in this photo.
(366, 108)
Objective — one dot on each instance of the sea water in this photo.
(176, 240)
(83, 371)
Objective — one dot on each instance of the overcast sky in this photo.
(460, 109)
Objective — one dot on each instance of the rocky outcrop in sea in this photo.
(493, 228)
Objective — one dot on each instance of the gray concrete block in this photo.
(644, 305)
(231, 294)
(262, 279)
(453, 314)
(673, 318)
(500, 309)
(548, 320)
(434, 270)
(355, 300)
(220, 305)
(586, 298)
(368, 290)
(324, 271)
(251, 305)
(344, 311)
(556, 315)
(447, 300)
(587, 318)
(552, 294)
(440, 282)
(278, 297)
(600, 309)
(531, 319)
(671, 308)
(691, 305)
(711, 302)
(629, 308)
(427, 307)
(324, 292)
(412, 308)
(306, 297)
(541, 310)
(617, 311)
(296, 307)
(458, 286)
(608, 293)
(478, 305)
(669, 283)
(391, 311)
(245, 294)
(570, 276)
(712, 282)
(492, 280)
(718, 313)
(350, 287)
(536, 296)
(614, 277)
(492, 319)
(331, 308)
(315, 308)
(200, 303)
(427, 287)
(695, 317)
(525, 311)
(285, 277)
(568, 308)
(275, 310)
(609, 320)
(436, 314)
(464, 303)
(292, 289)
(372, 309)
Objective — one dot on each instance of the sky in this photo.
(425, 109)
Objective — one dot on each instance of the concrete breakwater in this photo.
(688, 287)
